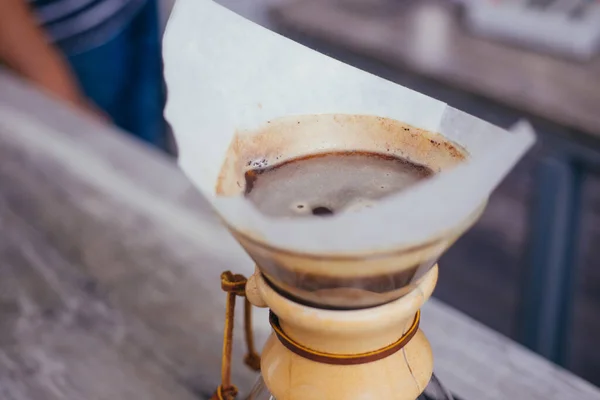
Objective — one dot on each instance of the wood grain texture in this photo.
(139, 245)
(427, 38)
(478, 363)
(58, 339)
(109, 277)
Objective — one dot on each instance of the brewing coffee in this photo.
(329, 183)
(316, 166)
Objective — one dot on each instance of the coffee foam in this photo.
(287, 138)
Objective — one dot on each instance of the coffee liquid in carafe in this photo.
(329, 183)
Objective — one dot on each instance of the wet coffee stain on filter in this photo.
(298, 137)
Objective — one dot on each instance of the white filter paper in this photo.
(225, 74)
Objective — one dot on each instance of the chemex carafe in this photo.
(344, 189)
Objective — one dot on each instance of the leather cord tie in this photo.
(235, 285)
(343, 359)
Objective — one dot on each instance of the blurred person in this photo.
(102, 56)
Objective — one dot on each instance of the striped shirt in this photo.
(80, 25)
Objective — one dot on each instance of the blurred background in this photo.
(529, 269)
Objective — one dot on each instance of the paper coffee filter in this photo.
(225, 74)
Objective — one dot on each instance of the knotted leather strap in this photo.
(235, 285)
